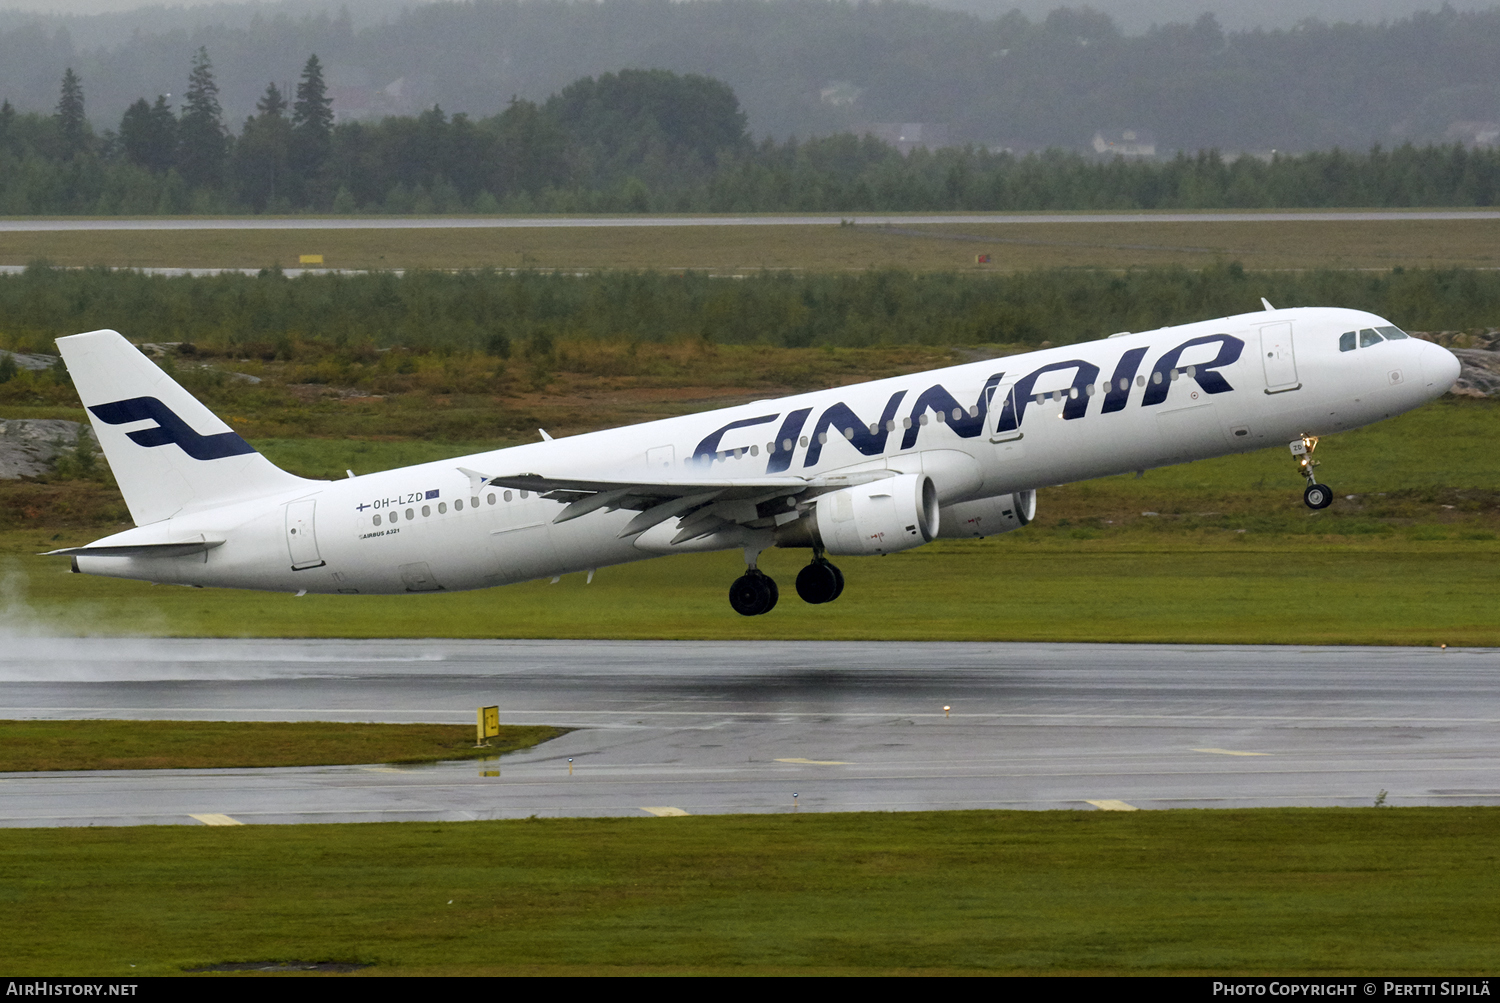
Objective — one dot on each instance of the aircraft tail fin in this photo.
(167, 451)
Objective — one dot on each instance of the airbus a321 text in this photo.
(869, 469)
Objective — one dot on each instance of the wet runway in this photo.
(703, 727)
(833, 219)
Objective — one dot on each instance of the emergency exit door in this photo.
(301, 536)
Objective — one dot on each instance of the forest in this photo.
(633, 141)
(810, 68)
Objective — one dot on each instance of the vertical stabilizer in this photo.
(167, 451)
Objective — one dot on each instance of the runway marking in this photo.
(382, 769)
(665, 812)
(213, 819)
(816, 762)
(1113, 806)
(1231, 752)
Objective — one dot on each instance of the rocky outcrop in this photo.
(36, 363)
(30, 446)
(1479, 356)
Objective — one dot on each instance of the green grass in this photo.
(202, 745)
(923, 247)
(1279, 891)
(1200, 586)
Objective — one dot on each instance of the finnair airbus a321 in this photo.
(869, 469)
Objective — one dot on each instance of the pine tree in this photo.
(148, 135)
(203, 142)
(261, 155)
(271, 104)
(312, 121)
(72, 127)
(7, 122)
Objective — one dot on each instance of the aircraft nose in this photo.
(1440, 367)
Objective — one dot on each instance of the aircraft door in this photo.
(660, 459)
(1278, 355)
(301, 535)
(1003, 412)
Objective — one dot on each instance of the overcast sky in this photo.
(1132, 15)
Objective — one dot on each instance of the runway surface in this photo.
(705, 727)
(495, 222)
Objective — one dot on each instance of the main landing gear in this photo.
(755, 592)
(1317, 496)
(820, 581)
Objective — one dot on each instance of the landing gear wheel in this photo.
(1318, 496)
(820, 582)
(753, 593)
(817, 583)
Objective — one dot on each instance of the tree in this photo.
(202, 140)
(148, 135)
(312, 121)
(261, 156)
(72, 126)
(7, 124)
(271, 103)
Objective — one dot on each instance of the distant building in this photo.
(1125, 143)
(1473, 133)
(908, 136)
(840, 94)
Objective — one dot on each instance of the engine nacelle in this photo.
(987, 516)
(881, 517)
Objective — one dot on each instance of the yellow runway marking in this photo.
(665, 812)
(212, 819)
(1231, 752)
(816, 762)
(1113, 806)
(383, 769)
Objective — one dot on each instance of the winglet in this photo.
(545, 436)
(476, 479)
(1267, 304)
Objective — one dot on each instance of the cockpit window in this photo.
(1346, 341)
(1393, 333)
(1368, 337)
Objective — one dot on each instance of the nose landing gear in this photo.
(1317, 496)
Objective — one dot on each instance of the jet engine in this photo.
(987, 516)
(881, 517)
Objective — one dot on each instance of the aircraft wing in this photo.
(702, 507)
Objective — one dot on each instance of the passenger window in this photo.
(1368, 337)
(1346, 341)
(458, 505)
(1392, 333)
(443, 507)
(474, 502)
(376, 520)
(394, 517)
(490, 498)
(426, 511)
(410, 515)
(507, 496)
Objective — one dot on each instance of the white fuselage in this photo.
(1287, 378)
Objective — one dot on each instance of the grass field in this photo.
(1228, 554)
(1335, 243)
(208, 745)
(1276, 891)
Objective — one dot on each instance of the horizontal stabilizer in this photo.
(140, 550)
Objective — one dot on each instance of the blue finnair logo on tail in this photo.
(170, 428)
